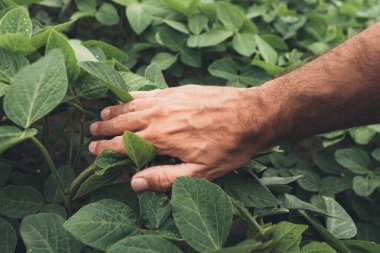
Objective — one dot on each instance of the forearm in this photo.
(340, 89)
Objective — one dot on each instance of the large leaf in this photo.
(8, 237)
(354, 159)
(202, 212)
(90, 87)
(36, 90)
(230, 15)
(248, 191)
(10, 136)
(56, 40)
(287, 237)
(143, 244)
(102, 223)
(139, 16)
(19, 201)
(110, 77)
(137, 149)
(16, 21)
(44, 233)
(155, 209)
(52, 192)
(10, 64)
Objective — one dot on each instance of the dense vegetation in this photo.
(62, 61)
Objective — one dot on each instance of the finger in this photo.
(161, 178)
(133, 121)
(115, 144)
(132, 106)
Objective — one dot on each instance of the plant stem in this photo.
(81, 142)
(51, 165)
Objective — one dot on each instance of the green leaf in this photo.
(19, 201)
(109, 159)
(332, 185)
(4, 173)
(135, 82)
(82, 53)
(139, 16)
(184, 6)
(310, 181)
(376, 154)
(164, 60)
(224, 68)
(154, 74)
(36, 90)
(191, 57)
(90, 87)
(155, 209)
(248, 191)
(354, 159)
(8, 237)
(44, 232)
(54, 208)
(278, 180)
(244, 43)
(266, 51)
(341, 225)
(287, 237)
(292, 202)
(10, 64)
(16, 21)
(110, 51)
(17, 43)
(369, 247)
(243, 247)
(362, 135)
(107, 15)
(143, 244)
(170, 38)
(52, 192)
(275, 41)
(102, 223)
(137, 149)
(202, 212)
(111, 78)
(317, 247)
(270, 68)
(10, 136)
(365, 186)
(231, 16)
(86, 5)
(56, 40)
(178, 26)
(198, 23)
(213, 37)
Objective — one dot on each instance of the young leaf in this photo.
(192, 201)
(10, 64)
(155, 209)
(230, 15)
(56, 40)
(139, 16)
(137, 149)
(144, 244)
(266, 51)
(107, 15)
(8, 237)
(19, 201)
(102, 223)
(17, 21)
(111, 78)
(17, 43)
(10, 136)
(244, 43)
(52, 192)
(354, 159)
(154, 74)
(44, 232)
(319, 247)
(287, 237)
(36, 90)
(109, 159)
(198, 23)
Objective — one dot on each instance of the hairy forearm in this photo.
(339, 89)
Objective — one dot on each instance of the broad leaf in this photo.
(244, 43)
(184, 6)
(107, 15)
(102, 223)
(210, 38)
(90, 87)
(82, 53)
(54, 208)
(310, 181)
(135, 82)
(369, 247)
(139, 16)
(36, 90)
(164, 60)
(287, 237)
(17, 43)
(109, 159)
(244, 247)
(137, 149)
(202, 212)
(278, 180)
(292, 202)
(224, 68)
(317, 247)
(354, 159)
(191, 57)
(44, 233)
(19, 201)
(230, 15)
(198, 23)
(365, 186)
(10, 64)
(8, 237)
(155, 209)
(266, 51)
(52, 192)
(144, 244)
(16, 21)
(154, 74)
(110, 77)
(110, 51)
(10, 136)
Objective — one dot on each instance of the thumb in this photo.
(161, 178)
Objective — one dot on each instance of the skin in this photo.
(214, 130)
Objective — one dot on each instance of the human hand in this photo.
(211, 129)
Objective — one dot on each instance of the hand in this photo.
(210, 129)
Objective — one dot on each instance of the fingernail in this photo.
(92, 147)
(140, 184)
(105, 114)
(93, 128)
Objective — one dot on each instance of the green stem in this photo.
(51, 165)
